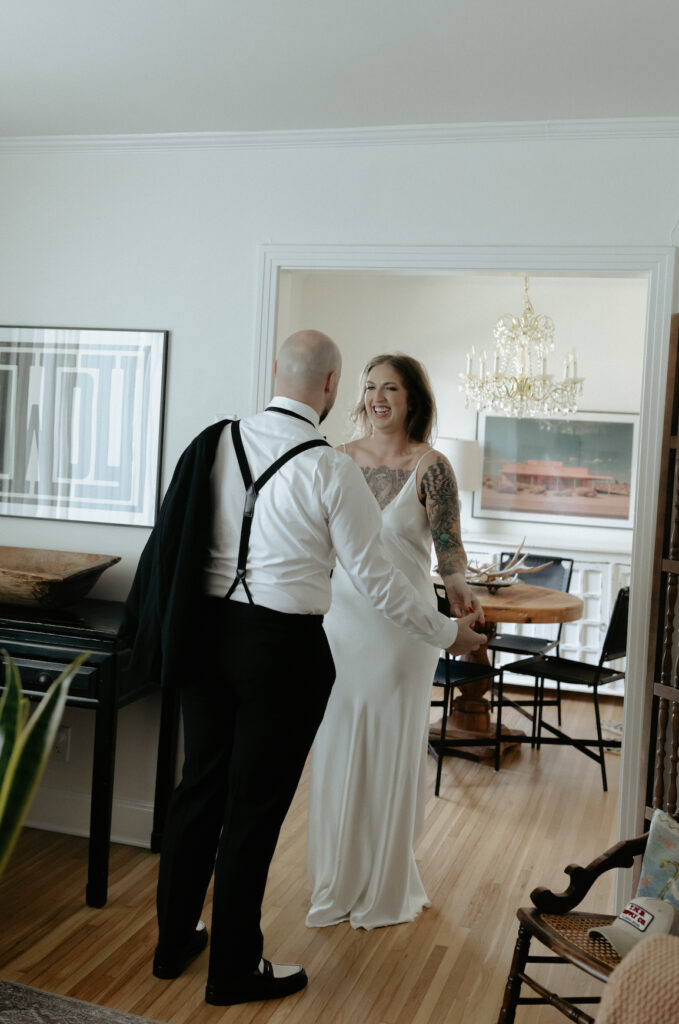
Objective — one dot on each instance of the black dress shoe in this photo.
(172, 965)
(261, 984)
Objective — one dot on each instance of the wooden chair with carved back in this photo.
(553, 922)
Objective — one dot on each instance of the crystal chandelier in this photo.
(519, 384)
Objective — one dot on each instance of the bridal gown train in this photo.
(368, 770)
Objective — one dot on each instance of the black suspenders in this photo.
(252, 489)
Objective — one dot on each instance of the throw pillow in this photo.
(660, 863)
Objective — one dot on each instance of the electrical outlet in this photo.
(61, 751)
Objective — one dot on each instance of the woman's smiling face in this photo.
(386, 399)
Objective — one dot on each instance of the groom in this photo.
(227, 604)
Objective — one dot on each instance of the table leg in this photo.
(101, 806)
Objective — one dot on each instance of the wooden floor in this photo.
(489, 839)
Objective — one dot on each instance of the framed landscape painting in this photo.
(81, 423)
(579, 470)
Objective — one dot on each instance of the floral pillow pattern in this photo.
(660, 864)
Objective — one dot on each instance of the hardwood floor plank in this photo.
(489, 839)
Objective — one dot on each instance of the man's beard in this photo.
(326, 410)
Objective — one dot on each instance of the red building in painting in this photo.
(554, 477)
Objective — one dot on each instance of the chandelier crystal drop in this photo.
(518, 383)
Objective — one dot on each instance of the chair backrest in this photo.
(615, 641)
(442, 599)
(557, 576)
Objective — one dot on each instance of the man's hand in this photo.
(467, 640)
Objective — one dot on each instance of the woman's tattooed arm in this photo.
(438, 491)
(385, 483)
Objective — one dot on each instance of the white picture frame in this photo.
(577, 470)
(81, 423)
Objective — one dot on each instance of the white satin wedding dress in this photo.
(368, 771)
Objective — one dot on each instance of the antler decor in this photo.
(493, 577)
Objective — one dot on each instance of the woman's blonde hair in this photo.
(421, 416)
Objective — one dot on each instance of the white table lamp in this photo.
(465, 458)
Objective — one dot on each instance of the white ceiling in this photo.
(81, 67)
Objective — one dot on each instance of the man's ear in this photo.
(275, 367)
(330, 381)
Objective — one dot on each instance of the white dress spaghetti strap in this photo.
(368, 771)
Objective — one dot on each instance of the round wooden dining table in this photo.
(519, 603)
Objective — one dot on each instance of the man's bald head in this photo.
(307, 356)
(307, 368)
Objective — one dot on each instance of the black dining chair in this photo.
(576, 674)
(556, 576)
(452, 674)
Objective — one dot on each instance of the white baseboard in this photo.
(60, 810)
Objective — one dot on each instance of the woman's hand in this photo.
(462, 598)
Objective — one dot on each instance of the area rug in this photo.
(612, 731)
(22, 1005)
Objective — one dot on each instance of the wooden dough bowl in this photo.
(44, 578)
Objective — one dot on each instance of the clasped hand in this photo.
(468, 639)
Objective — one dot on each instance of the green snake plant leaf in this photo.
(26, 748)
(13, 713)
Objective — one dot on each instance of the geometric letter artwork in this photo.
(81, 416)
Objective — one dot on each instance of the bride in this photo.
(366, 803)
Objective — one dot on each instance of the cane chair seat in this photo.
(567, 934)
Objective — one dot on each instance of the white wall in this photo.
(167, 236)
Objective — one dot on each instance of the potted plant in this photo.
(25, 745)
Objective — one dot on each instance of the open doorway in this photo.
(437, 318)
(655, 266)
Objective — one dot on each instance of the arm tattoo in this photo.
(385, 483)
(438, 487)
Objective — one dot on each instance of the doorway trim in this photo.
(657, 264)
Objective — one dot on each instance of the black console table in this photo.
(43, 642)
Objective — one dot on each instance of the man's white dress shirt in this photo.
(316, 505)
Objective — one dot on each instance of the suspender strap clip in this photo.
(250, 499)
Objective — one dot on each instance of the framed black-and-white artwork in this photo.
(81, 423)
(579, 470)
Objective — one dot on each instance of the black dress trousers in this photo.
(251, 706)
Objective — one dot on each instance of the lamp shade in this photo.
(465, 458)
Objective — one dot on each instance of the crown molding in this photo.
(633, 128)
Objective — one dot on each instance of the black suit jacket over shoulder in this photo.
(165, 596)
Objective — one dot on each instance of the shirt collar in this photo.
(299, 407)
